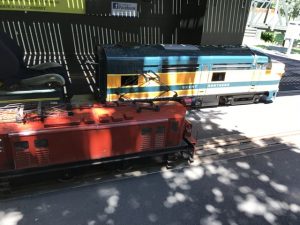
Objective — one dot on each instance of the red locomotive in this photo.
(60, 136)
(41, 138)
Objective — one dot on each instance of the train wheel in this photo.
(196, 103)
(138, 109)
(171, 160)
(5, 187)
(256, 99)
(185, 155)
(222, 101)
(67, 176)
(124, 166)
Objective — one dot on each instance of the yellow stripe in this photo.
(268, 72)
(152, 95)
(174, 78)
(29, 100)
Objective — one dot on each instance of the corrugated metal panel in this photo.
(70, 39)
(225, 21)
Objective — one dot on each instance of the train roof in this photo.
(122, 59)
(178, 50)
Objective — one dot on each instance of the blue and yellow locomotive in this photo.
(201, 75)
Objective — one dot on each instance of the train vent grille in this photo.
(159, 138)
(42, 151)
(42, 156)
(23, 159)
(23, 155)
(146, 139)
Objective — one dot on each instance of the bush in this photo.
(267, 36)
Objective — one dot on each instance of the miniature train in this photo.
(194, 75)
(201, 75)
(61, 136)
(41, 137)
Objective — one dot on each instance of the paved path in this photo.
(261, 189)
(291, 80)
(248, 120)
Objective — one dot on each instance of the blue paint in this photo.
(262, 59)
(150, 60)
(225, 59)
(187, 60)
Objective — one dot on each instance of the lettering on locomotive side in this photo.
(191, 86)
(218, 85)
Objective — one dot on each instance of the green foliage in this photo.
(296, 51)
(267, 36)
(278, 38)
(293, 9)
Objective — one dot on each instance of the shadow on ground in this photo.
(258, 189)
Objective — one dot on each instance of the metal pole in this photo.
(266, 16)
(252, 11)
(285, 12)
(275, 14)
(289, 50)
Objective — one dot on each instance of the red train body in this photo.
(88, 134)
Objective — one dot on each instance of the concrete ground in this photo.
(248, 120)
(258, 189)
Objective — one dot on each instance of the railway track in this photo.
(288, 93)
(208, 150)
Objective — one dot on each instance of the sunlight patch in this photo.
(279, 187)
(210, 220)
(194, 173)
(211, 169)
(276, 206)
(212, 209)
(271, 218)
(252, 206)
(91, 222)
(208, 127)
(43, 207)
(297, 150)
(65, 212)
(10, 218)
(137, 173)
(218, 194)
(173, 199)
(108, 192)
(244, 189)
(295, 208)
(263, 178)
(243, 165)
(134, 203)
(152, 217)
(112, 204)
(168, 174)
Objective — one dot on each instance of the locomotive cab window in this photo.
(218, 77)
(129, 80)
(21, 145)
